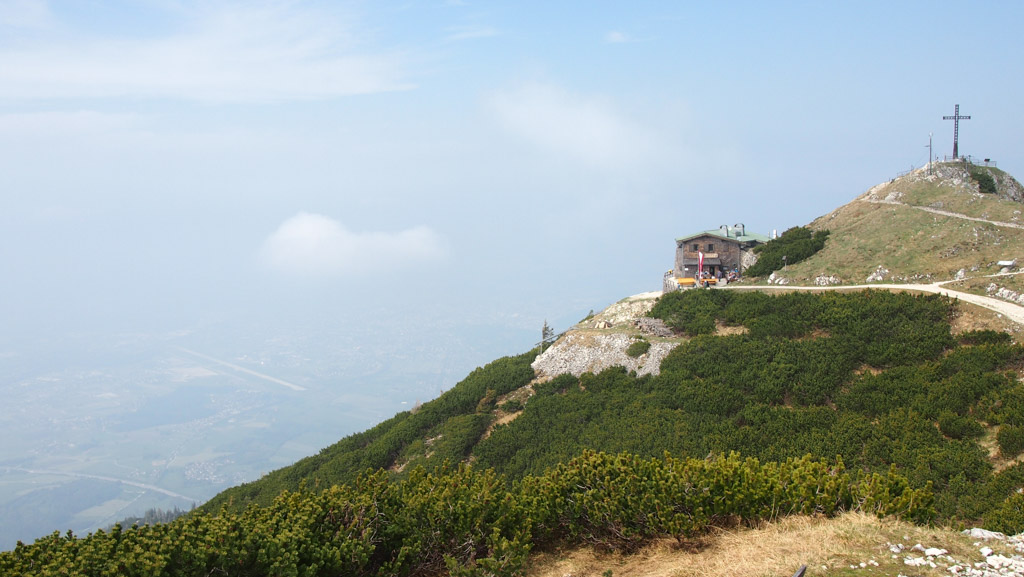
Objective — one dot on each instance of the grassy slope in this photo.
(914, 245)
(827, 546)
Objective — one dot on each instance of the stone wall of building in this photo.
(728, 251)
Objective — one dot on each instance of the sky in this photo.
(169, 163)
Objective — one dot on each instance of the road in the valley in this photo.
(111, 479)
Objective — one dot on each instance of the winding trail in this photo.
(944, 212)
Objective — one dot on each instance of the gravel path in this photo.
(944, 212)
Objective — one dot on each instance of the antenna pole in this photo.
(929, 153)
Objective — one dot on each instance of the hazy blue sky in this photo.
(165, 162)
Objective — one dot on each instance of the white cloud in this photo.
(269, 52)
(586, 129)
(314, 245)
(615, 37)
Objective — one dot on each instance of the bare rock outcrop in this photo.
(580, 352)
(994, 290)
(602, 341)
(652, 326)
(879, 275)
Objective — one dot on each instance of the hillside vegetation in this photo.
(794, 245)
(873, 377)
(834, 402)
(464, 521)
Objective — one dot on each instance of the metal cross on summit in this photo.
(956, 118)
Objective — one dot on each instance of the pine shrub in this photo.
(1011, 440)
(956, 426)
(638, 348)
(986, 184)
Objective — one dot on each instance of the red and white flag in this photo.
(700, 264)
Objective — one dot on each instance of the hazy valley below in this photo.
(100, 426)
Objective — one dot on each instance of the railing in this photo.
(971, 160)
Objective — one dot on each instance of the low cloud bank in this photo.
(314, 245)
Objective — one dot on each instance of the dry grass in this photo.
(826, 546)
(722, 329)
(970, 317)
(973, 204)
(503, 419)
(914, 245)
(868, 369)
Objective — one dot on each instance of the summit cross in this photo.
(956, 118)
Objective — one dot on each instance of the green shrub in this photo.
(1011, 440)
(458, 435)
(1007, 406)
(1009, 517)
(796, 244)
(959, 427)
(986, 184)
(691, 312)
(511, 406)
(984, 337)
(638, 348)
(557, 386)
(618, 502)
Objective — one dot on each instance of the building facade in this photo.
(723, 250)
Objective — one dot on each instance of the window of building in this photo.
(696, 246)
(711, 248)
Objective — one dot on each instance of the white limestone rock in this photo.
(879, 274)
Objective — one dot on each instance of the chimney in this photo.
(741, 228)
(724, 228)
